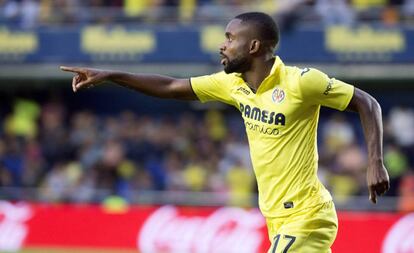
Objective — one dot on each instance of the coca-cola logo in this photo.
(13, 229)
(400, 238)
(226, 230)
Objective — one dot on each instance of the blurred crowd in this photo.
(30, 14)
(73, 156)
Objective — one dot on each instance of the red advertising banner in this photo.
(170, 229)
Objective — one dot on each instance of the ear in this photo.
(254, 46)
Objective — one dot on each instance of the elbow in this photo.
(362, 101)
(373, 104)
(370, 106)
(167, 91)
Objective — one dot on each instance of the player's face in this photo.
(234, 51)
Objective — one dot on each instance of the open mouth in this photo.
(223, 60)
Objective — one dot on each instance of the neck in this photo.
(259, 70)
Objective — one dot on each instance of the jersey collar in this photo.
(274, 76)
(276, 68)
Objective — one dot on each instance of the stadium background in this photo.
(110, 170)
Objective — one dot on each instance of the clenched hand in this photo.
(378, 182)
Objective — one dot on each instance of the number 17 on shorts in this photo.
(282, 243)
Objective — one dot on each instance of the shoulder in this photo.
(226, 78)
(296, 77)
(305, 81)
(218, 77)
(306, 74)
(310, 75)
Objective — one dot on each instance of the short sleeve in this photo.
(318, 89)
(215, 87)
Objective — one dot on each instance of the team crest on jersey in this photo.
(278, 95)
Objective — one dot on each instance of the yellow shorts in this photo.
(311, 230)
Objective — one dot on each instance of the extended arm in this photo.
(153, 85)
(371, 119)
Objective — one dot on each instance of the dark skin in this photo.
(242, 43)
(245, 53)
(370, 114)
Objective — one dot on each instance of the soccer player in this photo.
(280, 107)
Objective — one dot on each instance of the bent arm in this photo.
(153, 85)
(371, 119)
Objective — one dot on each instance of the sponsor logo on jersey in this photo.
(244, 90)
(255, 113)
(263, 129)
(328, 87)
(288, 204)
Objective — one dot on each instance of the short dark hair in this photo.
(266, 27)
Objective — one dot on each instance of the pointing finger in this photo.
(72, 69)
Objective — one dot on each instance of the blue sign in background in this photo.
(192, 44)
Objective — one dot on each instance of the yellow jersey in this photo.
(281, 121)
